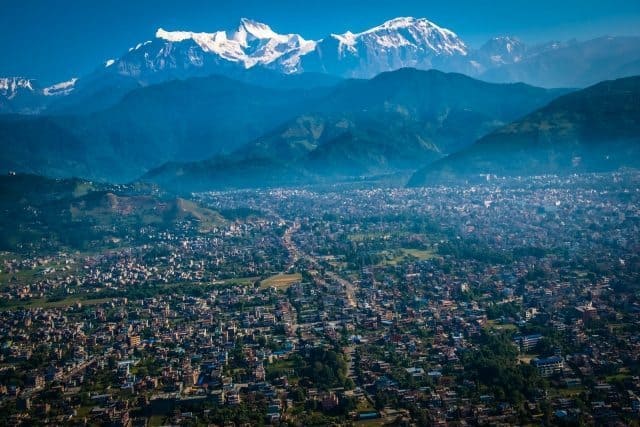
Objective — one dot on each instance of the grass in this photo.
(280, 366)
(526, 358)
(281, 281)
(360, 237)
(84, 411)
(404, 254)
(28, 275)
(364, 406)
(43, 303)
(246, 281)
(420, 254)
(570, 392)
(492, 325)
(85, 301)
(619, 377)
(156, 420)
(22, 276)
(207, 218)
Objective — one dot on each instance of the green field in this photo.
(359, 237)
(404, 254)
(281, 281)
(237, 281)
(491, 324)
(43, 303)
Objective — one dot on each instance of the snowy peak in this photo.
(249, 30)
(20, 95)
(62, 88)
(252, 43)
(246, 31)
(503, 50)
(408, 23)
(174, 36)
(418, 32)
(404, 42)
(15, 87)
(396, 43)
(399, 42)
(10, 87)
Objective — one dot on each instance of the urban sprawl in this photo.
(511, 301)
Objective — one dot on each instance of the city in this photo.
(290, 213)
(511, 301)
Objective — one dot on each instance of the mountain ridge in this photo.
(396, 43)
(594, 129)
(392, 123)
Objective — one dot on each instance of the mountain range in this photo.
(397, 120)
(592, 130)
(251, 108)
(397, 43)
(394, 122)
(179, 120)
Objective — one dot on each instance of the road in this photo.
(297, 254)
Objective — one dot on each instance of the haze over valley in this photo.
(386, 225)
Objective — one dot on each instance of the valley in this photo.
(181, 316)
(343, 219)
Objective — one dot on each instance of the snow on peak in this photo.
(396, 43)
(174, 36)
(403, 22)
(507, 42)
(418, 33)
(250, 44)
(507, 39)
(10, 86)
(62, 88)
(503, 49)
(410, 22)
(249, 29)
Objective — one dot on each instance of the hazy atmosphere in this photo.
(54, 41)
(320, 213)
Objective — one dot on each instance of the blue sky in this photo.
(52, 40)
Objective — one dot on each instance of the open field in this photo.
(237, 281)
(28, 275)
(361, 237)
(281, 281)
(43, 303)
(526, 358)
(493, 325)
(404, 254)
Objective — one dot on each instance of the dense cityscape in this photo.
(512, 301)
(339, 213)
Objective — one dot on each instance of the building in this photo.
(549, 365)
(587, 311)
(134, 340)
(527, 342)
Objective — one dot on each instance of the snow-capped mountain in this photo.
(62, 88)
(251, 44)
(398, 43)
(10, 87)
(24, 96)
(181, 54)
(501, 50)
